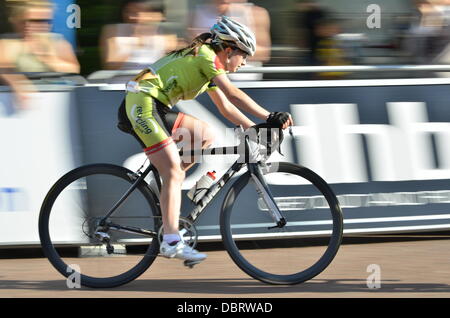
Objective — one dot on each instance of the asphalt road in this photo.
(408, 266)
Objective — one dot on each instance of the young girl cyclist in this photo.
(184, 74)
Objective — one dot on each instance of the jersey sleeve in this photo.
(212, 86)
(211, 66)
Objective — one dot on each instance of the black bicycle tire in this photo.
(49, 249)
(312, 271)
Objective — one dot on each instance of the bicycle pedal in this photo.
(191, 264)
(102, 236)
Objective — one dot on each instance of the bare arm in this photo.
(18, 83)
(262, 30)
(228, 110)
(113, 57)
(243, 101)
(67, 58)
(62, 59)
(238, 98)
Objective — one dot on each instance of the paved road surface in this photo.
(409, 268)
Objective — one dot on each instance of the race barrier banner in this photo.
(384, 146)
(37, 146)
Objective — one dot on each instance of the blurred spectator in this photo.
(4, 26)
(256, 18)
(32, 47)
(138, 41)
(443, 6)
(321, 32)
(428, 33)
(443, 57)
(328, 51)
(310, 14)
(203, 17)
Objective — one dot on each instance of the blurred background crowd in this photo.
(35, 35)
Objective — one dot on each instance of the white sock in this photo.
(171, 238)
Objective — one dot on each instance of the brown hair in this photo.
(17, 8)
(193, 48)
(197, 42)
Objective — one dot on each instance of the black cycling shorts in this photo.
(151, 122)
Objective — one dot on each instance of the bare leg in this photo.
(196, 134)
(168, 163)
(172, 170)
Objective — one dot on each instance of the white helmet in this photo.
(231, 31)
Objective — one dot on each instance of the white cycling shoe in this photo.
(181, 251)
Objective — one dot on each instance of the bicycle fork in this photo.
(264, 192)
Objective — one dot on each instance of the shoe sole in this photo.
(182, 258)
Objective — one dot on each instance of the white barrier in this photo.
(36, 149)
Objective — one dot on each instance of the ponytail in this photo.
(192, 49)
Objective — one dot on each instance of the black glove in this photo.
(278, 119)
(267, 140)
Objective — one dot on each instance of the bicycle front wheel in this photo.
(301, 249)
(70, 235)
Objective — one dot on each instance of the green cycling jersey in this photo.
(183, 76)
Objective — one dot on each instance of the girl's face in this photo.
(234, 59)
(34, 20)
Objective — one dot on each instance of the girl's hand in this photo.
(280, 119)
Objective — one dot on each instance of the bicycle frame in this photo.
(253, 168)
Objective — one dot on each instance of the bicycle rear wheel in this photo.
(300, 250)
(69, 218)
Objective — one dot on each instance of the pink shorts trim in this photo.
(155, 148)
(178, 121)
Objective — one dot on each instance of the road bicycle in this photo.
(271, 215)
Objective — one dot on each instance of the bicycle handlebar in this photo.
(242, 147)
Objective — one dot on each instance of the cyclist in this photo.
(147, 112)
